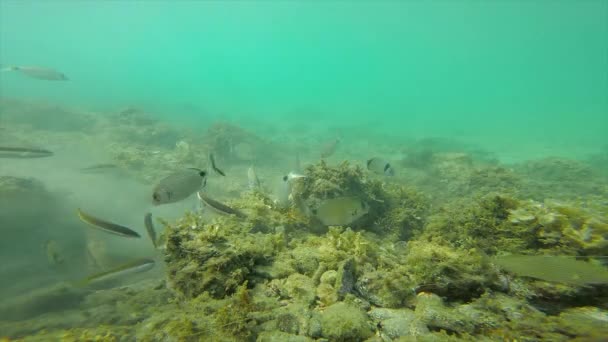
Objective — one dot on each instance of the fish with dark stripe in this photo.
(107, 226)
(150, 228)
(219, 207)
(23, 152)
(380, 166)
(126, 269)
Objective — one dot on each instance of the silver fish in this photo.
(132, 267)
(340, 211)
(150, 229)
(380, 166)
(292, 176)
(219, 207)
(285, 187)
(178, 186)
(23, 152)
(107, 226)
(99, 168)
(252, 179)
(329, 148)
(40, 73)
(283, 192)
(559, 269)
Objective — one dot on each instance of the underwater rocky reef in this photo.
(414, 257)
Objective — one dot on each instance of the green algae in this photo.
(344, 322)
(266, 277)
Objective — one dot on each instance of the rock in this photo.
(344, 322)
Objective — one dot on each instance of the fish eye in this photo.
(285, 178)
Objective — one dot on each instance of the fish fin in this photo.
(219, 171)
(369, 161)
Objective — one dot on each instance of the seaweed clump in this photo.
(215, 257)
(481, 224)
(394, 210)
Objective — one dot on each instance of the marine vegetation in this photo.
(405, 269)
(391, 209)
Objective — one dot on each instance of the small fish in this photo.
(150, 228)
(560, 269)
(99, 168)
(53, 253)
(380, 166)
(340, 211)
(213, 166)
(23, 152)
(329, 148)
(106, 226)
(40, 73)
(129, 268)
(285, 187)
(252, 179)
(178, 186)
(283, 192)
(292, 176)
(219, 207)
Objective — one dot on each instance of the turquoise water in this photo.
(510, 71)
(486, 123)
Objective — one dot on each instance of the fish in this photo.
(129, 268)
(340, 211)
(23, 152)
(214, 167)
(559, 269)
(252, 179)
(107, 226)
(40, 73)
(99, 168)
(284, 189)
(283, 192)
(219, 207)
(178, 186)
(53, 253)
(329, 148)
(150, 228)
(380, 166)
(292, 176)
